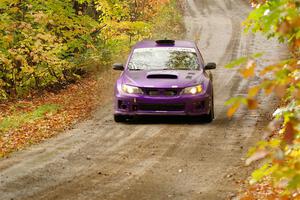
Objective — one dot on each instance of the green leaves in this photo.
(242, 60)
(33, 44)
(236, 62)
(235, 103)
(43, 43)
(262, 172)
(281, 150)
(278, 19)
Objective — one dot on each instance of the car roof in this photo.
(153, 44)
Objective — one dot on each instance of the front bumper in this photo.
(180, 105)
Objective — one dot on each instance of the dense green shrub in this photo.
(50, 43)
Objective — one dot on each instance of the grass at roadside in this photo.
(21, 118)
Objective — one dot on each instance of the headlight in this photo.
(193, 90)
(131, 89)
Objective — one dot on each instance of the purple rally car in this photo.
(164, 77)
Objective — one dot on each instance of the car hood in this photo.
(163, 79)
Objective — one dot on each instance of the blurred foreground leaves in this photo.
(281, 148)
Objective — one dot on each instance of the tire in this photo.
(210, 117)
(120, 118)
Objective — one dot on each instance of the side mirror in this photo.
(118, 66)
(209, 66)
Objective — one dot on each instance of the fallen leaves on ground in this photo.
(265, 191)
(76, 102)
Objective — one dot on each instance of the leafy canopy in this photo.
(51, 43)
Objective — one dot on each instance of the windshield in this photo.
(164, 58)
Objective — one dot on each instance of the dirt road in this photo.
(161, 159)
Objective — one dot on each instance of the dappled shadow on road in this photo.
(167, 120)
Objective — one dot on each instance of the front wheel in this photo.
(120, 118)
(210, 117)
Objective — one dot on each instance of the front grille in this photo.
(153, 92)
(161, 107)
(161, 92)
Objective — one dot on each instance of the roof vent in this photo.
(165, 42)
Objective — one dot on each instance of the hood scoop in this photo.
(162, 76)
